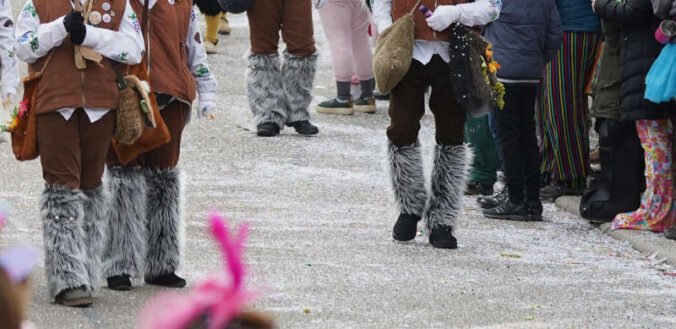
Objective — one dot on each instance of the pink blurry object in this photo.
(18, 262)
(426, 11)
(220, 298)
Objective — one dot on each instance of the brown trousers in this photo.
(166, 156)
(407, 105)
(292, 17)
(73, 152)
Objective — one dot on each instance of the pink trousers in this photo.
(346, 25)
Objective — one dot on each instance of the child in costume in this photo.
(280, 96)
(216, 303)
(145, 211)
(346, 24)
(429, 68)
(216, 21)
(75, 111)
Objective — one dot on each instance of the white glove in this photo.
(207, 105)
(443, 17)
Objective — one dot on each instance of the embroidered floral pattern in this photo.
(35, 44)
(29, 11)
(122, 57)
(658, 209)
(202, 71)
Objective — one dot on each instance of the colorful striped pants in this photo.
(564, 112)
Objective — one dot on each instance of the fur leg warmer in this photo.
(449, 179)
(298, 74)
(62, 217)
(265, 91)
(163, 226)
(408, 181)
(126, 244)
(96, 230)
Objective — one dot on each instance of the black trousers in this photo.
(516, 132)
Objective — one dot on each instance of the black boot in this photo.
(169, 280)
(119, 282)
(406, 227)
(621, 183)
(304, 127)
(534, 210)
(267, 129)
(442, 237)
(509, 211)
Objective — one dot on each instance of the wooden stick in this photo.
(80, 62)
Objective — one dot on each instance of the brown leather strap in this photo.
(49, 58)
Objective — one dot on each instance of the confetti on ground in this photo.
(529, 318)
(669, 274)
(534, 306)
(306, 310)
(508, 255)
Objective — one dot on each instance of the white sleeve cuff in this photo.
(57, 28)
(91, 36)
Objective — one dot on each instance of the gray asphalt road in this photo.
(321, 217)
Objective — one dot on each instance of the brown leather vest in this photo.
(62, 84)
(422, 31)
(169, 73)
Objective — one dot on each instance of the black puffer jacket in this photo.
(639, 49)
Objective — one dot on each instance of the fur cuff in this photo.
(449, 180)
(61, 212)
(126, 244)
(265, 91)
(298, 74)
(408, 181)
(164, 226)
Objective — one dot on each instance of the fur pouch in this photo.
(394, 53)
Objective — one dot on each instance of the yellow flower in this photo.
(14, 124)
(493, 67)
(489, 54)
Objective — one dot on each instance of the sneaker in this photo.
(554, 191)
(267, 129)
(442, 238)
(365, 105)
(476, 188)
(535, 210)
(211, 47)
(169, 280)
(509, 211)
(119, 282)
(77, 297)
(304, 128)
(335, 106)
(406, 227)
(224, 26)
(488, 202)
(670, 233)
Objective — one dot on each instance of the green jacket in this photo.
(606, 89)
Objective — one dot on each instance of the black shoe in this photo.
(442, 238)
(670, 233)
(119, 282)
(76, 297)
(476, 188)
(488, 202)
(169, 280)
(406, 227)
(555, 191)
(534, 210)
(509, 211)
(304, 127)
(267, 129)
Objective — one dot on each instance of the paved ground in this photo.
(321, 215)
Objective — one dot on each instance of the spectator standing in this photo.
(216, 24)
(346, 24)
(483, 174)
(525, 38)
(638, 51)
(621, 182)
(564, 113)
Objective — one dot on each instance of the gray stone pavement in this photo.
(321, 217)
